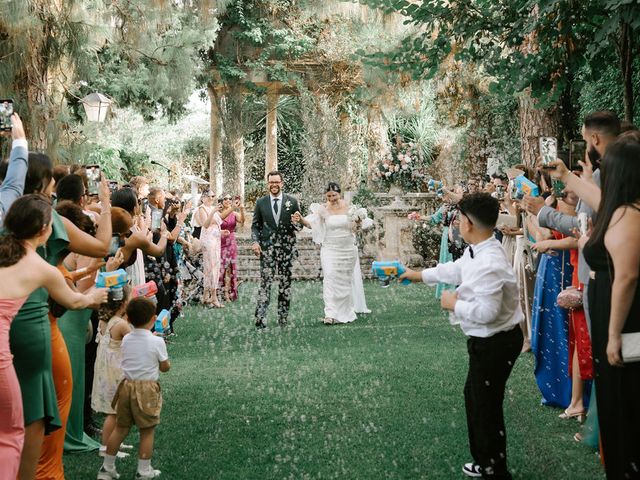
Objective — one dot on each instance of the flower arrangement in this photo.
(360, 215)
(398, 167)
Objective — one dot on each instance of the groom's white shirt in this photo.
(276, 216)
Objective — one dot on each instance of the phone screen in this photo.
(577, 152)
(6, 110)
(548, 149)
(114, 245)
(558, 188)
(156, 219)
(93, 179)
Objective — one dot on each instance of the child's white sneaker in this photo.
(105, 474)
(151, 473)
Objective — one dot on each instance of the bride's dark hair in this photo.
(333, 187)
(24, 220)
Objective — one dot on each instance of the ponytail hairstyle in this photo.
(25, 219)
(39, 174)
(333, 187)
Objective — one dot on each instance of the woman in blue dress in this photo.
(550, 328)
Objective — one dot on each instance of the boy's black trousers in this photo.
(490, 362)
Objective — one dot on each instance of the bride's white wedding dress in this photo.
(343, 291)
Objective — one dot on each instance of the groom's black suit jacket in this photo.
(264, 229)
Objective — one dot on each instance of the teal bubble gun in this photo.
(114, 281)
(385, 271)
(162, 322)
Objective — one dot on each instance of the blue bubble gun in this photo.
(114, 281)
(524, 186)
(385, 271)
(435, 185)
(162, 322)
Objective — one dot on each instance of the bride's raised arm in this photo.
(316, 221)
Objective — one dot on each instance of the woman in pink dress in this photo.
(208, 216)
(232, 214)
(28, 225)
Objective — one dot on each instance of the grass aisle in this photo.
(380, 398)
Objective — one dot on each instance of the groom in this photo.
(276, 219)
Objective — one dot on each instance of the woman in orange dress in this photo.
(50, 466)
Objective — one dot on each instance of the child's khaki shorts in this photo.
(138, 402)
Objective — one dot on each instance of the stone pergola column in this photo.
(215, 145)
(271, 159)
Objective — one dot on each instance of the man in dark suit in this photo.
(276, 220)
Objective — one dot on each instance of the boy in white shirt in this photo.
(487, 307)
(138, 399)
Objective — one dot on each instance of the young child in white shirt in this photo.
(487, 307)
(138, 399)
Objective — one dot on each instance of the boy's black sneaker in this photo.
(472, 470)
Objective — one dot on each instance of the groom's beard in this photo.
(594, 157)
(275, 191)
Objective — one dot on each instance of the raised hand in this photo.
(17, 131)
(557, 169)
(104, 194)
(587, 168)
(114, 262)
(97, 296)
(533, 205)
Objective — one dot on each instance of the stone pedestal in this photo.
(396, 242)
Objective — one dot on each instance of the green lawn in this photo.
(380, 398)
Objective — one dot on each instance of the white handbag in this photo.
(631, 347)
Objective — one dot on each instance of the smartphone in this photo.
(514, 193)
(6, 110)
(94, 176)
(548, 150)
(156, 219)
(113, 185)
(577, 152)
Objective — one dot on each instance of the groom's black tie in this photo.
(275, 205)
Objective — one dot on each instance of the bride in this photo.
(333, 226)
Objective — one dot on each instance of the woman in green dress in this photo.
(30, 334)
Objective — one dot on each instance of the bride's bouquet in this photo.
(359, 215)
